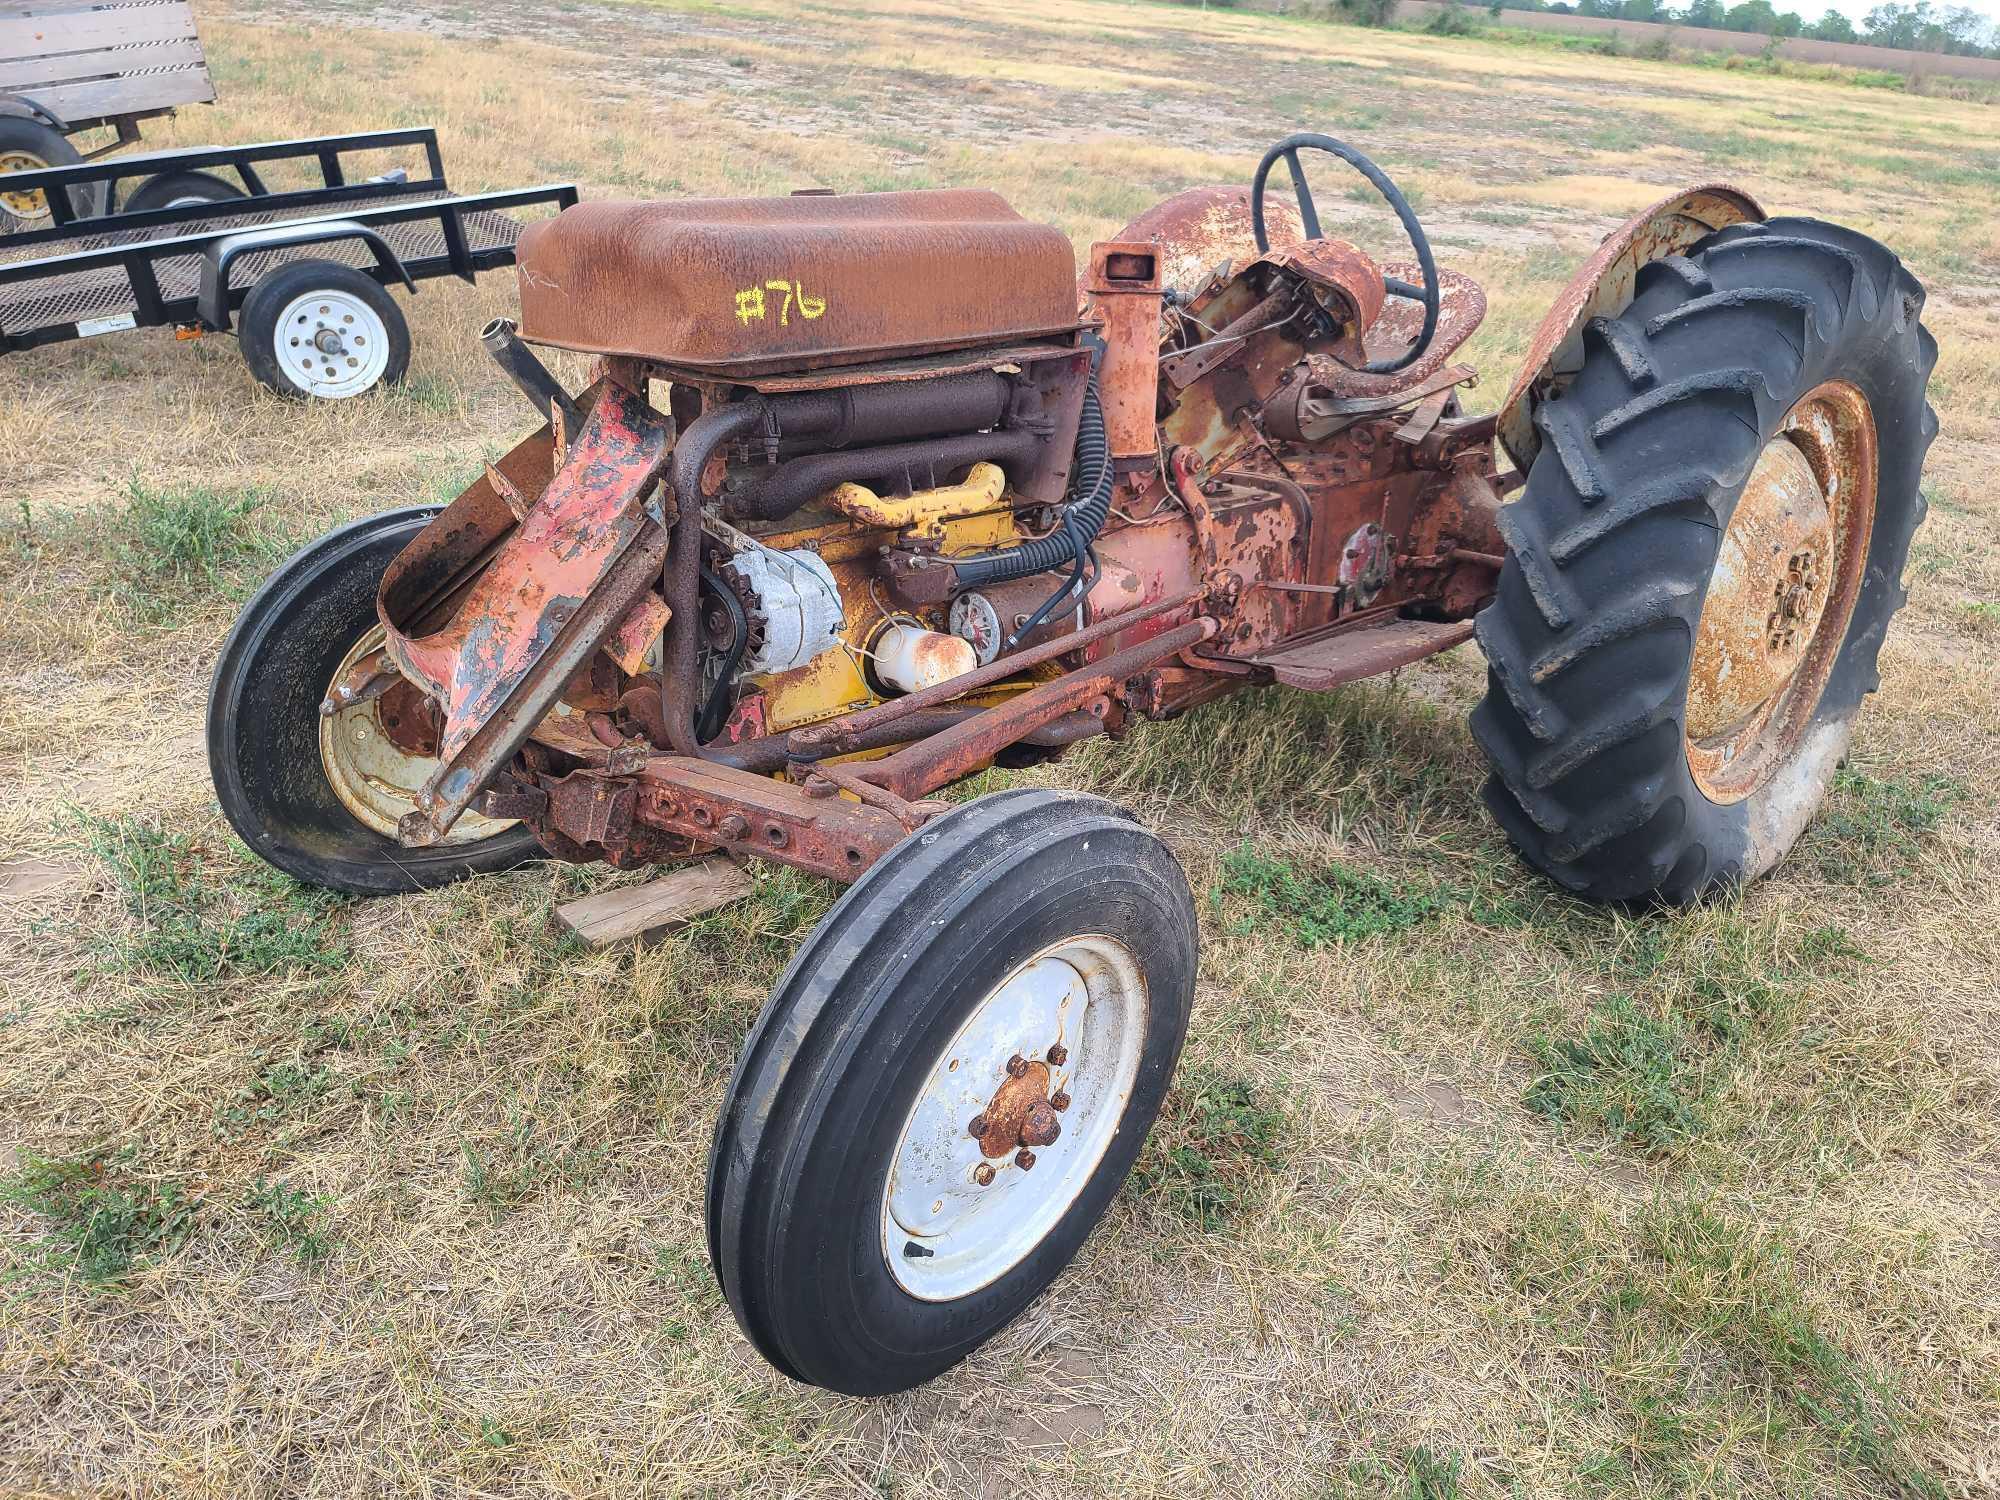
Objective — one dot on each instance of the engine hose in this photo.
(1074, 586)
(1083, 517)
(708, 724)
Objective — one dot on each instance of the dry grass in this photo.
(1465, 1190)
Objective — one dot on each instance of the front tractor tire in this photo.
(319, 796)
(947, 1088)
(1703, 563)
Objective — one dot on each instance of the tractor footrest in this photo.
(1328, 658)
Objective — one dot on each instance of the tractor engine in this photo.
(859, 471)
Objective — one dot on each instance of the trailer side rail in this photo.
(153, 282)
(328, 153)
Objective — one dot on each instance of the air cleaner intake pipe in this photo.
(526, 371)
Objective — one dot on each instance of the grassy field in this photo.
(1465, 1189)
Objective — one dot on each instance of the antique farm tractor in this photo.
(869, 493)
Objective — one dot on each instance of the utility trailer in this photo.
(298, 273)
(70, 67)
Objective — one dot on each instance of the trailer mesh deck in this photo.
(105, 292)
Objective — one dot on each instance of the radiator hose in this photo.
(1083, 517)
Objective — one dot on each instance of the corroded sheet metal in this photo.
(1122, 287)
(1206, 229)
(747, 285)
(1603, 286)
(540, 608)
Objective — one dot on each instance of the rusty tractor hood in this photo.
(746, 286)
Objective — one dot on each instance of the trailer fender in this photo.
(1604, 286)
(21, 107)
(213, 301)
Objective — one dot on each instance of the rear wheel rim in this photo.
(1074, 1015)
(1782, 593)
(375, 777)
(332, 344)
(27, 205)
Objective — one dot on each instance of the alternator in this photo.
(795, 602)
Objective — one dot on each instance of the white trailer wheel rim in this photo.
(373, 777)
(1085, 994)
(331, 344)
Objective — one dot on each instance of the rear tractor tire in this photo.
(1704, 561)
(947, 1088)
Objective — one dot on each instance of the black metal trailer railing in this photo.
(196, 264)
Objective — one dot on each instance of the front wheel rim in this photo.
(332, 344)
(1786, 579)
(1072, 1021)
(373, 761)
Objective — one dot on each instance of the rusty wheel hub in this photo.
(1014, 1118)
(1783, 589)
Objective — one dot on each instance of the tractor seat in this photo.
(748, 286)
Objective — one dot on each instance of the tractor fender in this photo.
(1604, 286)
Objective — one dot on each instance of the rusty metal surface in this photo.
(1347, 283)
(956, 752)
(551, 595)
(1019, 1114)
(843, 736)
(1205, 229)
(1603, 286)
(752, 814)
(1122, 287)
(1461, 309)
(742, 285)
(1340, 655)
(1786, 576)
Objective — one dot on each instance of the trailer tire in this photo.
(1704, 562)
(267, 746)
(26, 145)
(173, 189)
(318, 329)
(1023, 923)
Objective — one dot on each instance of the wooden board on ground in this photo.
(655, 908)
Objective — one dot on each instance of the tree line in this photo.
(1919, 26)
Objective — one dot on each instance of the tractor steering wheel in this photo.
(1288, 149)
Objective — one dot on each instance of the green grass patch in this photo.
(289, 1220)
(1322, 906)
(503, 1174)
(106, 1218)
(189, 926)
(280, 1090)
(1625, 1073)
(1873, 829)
(1687, 1002)
(1215, 1137)
(1708, 1290)
(162, 555)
